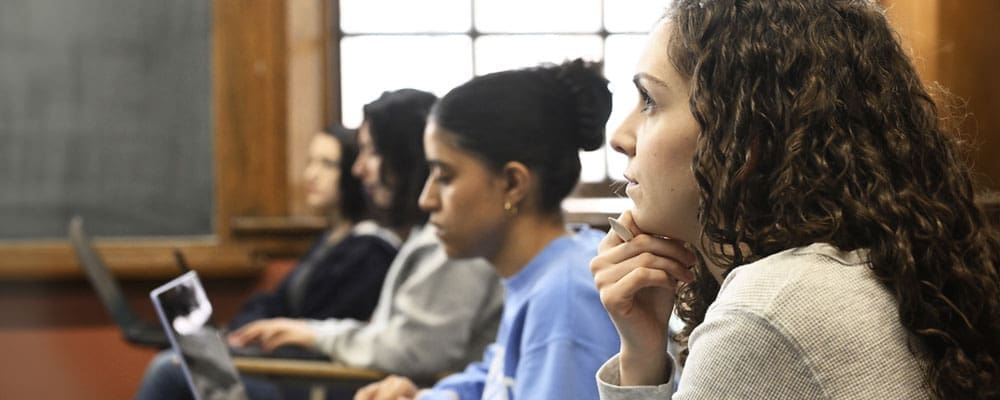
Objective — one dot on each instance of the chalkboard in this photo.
(105, 112)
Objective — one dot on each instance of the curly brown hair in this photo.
(816, 128)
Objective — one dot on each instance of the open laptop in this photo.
(186, 315)
(135, 329)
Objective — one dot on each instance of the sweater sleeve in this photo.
(467, 384)
(725, 362)
(560, 369)
(609, 385)
(435, 313)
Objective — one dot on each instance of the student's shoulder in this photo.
(579, 247)
(564, 304)
(369, 232)
(797, 269)
(802, 284)
(567, 276)
(586, 237)
(370, 244)
(362, 247)
(426, 252)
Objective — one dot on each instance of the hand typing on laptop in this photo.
(273, 333)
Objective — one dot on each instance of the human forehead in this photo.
(441, 149)
(438, 141)
(654, 60)
(326, 144)
(364, 134)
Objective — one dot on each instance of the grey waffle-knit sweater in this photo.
(805, 323)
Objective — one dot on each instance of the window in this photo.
(435, 45)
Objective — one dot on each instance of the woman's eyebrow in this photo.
(432, 163)
(642, 76)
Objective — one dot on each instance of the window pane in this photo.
(633, 15)
(502, 52)
(538, 15)
(405, 16)
(622, 52)
(592, 165)
(370, 65)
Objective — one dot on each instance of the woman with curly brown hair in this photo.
(788, 151)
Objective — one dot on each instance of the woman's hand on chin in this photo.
(637, 280)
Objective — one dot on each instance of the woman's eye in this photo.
(647, 102)
(439, 177)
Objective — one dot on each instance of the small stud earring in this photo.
(509, 207)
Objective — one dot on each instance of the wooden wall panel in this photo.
(955, 45)
(969, 66)
(306, 90)
(250, 81)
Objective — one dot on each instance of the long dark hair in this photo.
(353, 201)
(396, 122)
(816, 128)
(538, 116)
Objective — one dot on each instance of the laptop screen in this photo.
(186, 313)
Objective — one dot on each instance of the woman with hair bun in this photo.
(504, 152)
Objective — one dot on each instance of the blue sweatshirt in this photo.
(554, 333)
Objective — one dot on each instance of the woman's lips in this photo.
(631, 184)
(631, 187)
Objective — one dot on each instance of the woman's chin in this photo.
(316, 206)
(320, 206)
(649, 225)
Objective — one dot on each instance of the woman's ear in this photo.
(517, 180)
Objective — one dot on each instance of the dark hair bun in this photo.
(590, 91)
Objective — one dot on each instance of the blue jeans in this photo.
(164, 379)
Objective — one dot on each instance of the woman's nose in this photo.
(623, 138)
(427, 202)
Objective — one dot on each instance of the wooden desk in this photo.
(321, 379)
(308, 369)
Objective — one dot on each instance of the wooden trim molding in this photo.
(278, 226)
(127, 260)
